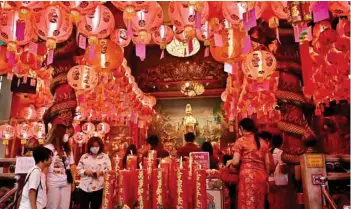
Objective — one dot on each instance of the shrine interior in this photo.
(124, 71)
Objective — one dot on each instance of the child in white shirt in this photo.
(34, 190)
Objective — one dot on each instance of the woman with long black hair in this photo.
(251, 153)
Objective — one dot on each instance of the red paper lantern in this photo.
(163, 36)
(146, 21)
(259, 65)
(120, 37)
(78, 8)
(97, 24)
(10, 28)
(233, 11)
(82, 77)
(24, 131)
(53, 25)
(7, 132)
(108, 55)
(339, 8)
(183, 15)
(130, 7)
(88, 128)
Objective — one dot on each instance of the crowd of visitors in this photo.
(256, 157)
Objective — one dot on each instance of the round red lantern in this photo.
(14, 31)
(120, 37)
(24, 131)
(88, 128)
(163, 36)
(81, 113)
(183, 15)
(233, 11)
(130, 7)
(259, 65)
(108, 55)
(41, 112)
(28, 113)
(82, 77)
(53, 25)
(97, 24)
(339, 8)
(103, 128)
(38, 130)
(78, 8)
(7, 132)
(80, 138)
(146, 21)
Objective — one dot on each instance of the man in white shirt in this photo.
(34, 190)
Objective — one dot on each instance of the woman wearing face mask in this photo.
(59, 176)
(91, 167)
(251, 153)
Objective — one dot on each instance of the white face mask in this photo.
(94, 150)
(65, 138)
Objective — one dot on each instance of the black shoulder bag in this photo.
(68, 172)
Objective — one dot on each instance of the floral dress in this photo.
(87, 162)
(252, 185)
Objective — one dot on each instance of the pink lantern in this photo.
(78, 8)
(13, 31)
(81, 113)
(339, 8)
(103, 128)
(88, 128)
(233, 11)
(97, 24)
(146, 21)
(38, 130)
(40, 113)
(7, 132)
(82, 77)
(28, 113)
(130, 7)
(259, 65)
(163, 36)
(24, 131)
(120, 37)
(53, 25)
(183, 15)
(205, 33)
(80, 138)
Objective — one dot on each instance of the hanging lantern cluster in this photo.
(331, 62)
(116, 99)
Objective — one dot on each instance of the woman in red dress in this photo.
(251, 153)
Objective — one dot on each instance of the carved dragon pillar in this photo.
(295, 129)
(63, 108)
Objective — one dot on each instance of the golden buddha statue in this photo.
(189, 122)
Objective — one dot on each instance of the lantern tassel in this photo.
(190, 45)
(277, 34)
(162, 54)
(92, 52)
(129, 29)
(11, 58)
(198, 20)
(207, 52)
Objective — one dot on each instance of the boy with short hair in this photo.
(34, 189)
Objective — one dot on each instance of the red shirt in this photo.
(187, 148)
